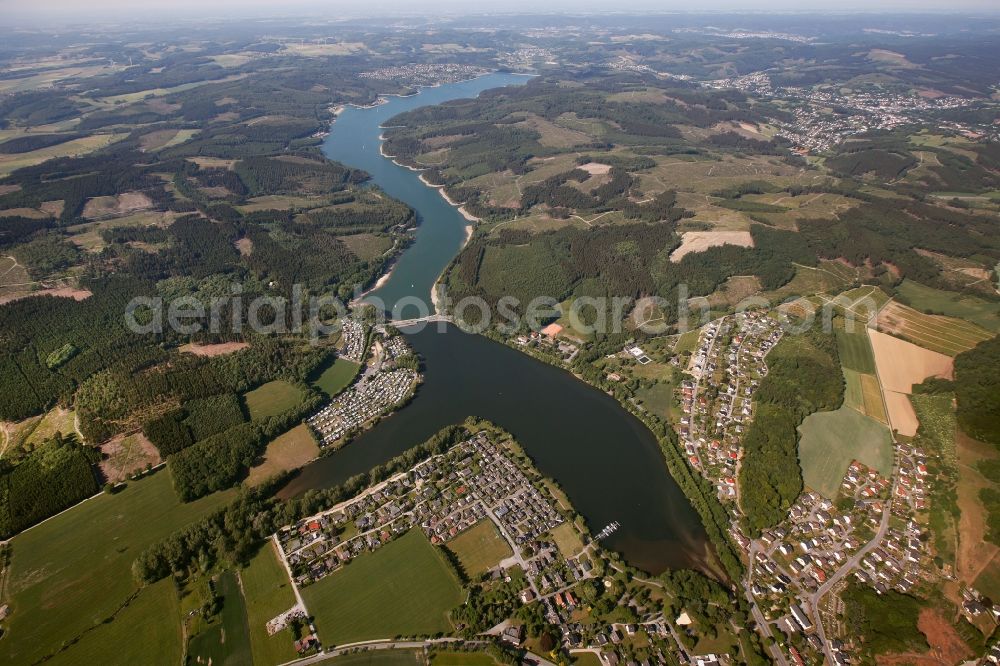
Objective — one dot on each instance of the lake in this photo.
(608, 463)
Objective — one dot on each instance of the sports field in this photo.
(267, 593)
(336, 377)
(945, 335)
(286, 452)
(403, 588)
(479, 548)
(831, 440)
(272, 398)
(226, 640)
(75, 570)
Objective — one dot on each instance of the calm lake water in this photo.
(605, 459)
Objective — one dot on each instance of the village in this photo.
(815, 129)
(484, 480)
(725, 370)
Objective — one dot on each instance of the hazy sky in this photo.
(135, 9)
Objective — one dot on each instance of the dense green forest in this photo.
(803, 377)
(977, 390)
(57, 474)
(883, 623)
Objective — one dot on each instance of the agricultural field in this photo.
(272, 399)
(267, 593)
(405, 587)
(945, 335)
(963, 306)
(226, 640)
(336, 377)
(831, 440)
(902, 364)
(855, 351)
(75, 147)
(87, 236)
(462, 659)
(286, 452)
(379, 658)
(479, 548)
(75, 570)
(149, 625)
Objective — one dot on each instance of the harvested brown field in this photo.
(947, 647)
(872, 398)
(219, 349)
(245, 246)
(122, 204)
(59, 292)
(125, 455)
(34, 213)
(902, 364)
(938, 333)
(212, 162)
(289, 451)
(699, 241)
(595, 168)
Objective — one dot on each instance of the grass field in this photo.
(479, 548)
(286, 452)
(150, 624)
(855, 351)
(946, 335)
(73, 571)
(567, 540)
(267, 593)
(378, 658)
(272, 399)
(988, 581)
(658, 399)
(76, 147)
(404, 587)
(853, 393)
(586, 659)
(367, 246)
(336, 376)
(462, 659)
(872, 399)
(227, 640)
(971, 308)
(56, 420)
(831, 440)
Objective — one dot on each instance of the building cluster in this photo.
(444, 495)
(526, 58)
(394, 348)
(372, 396)
(551, 340)
(716, 401)
(424, 74)
(816, 128)
(352, 336)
